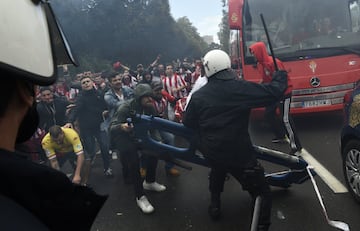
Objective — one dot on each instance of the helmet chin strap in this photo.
(31, 119)
(28, 125)
(207, 66)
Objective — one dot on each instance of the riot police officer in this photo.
(219, 112)
(33, 196)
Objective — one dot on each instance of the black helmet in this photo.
(32, 43)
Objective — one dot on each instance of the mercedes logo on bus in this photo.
(315, 81)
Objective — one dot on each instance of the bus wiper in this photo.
(351, 50)
(348, 49)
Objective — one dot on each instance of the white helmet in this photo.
(215, 61)
(32, 43)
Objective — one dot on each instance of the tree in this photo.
(197, 45)
(132, 31)
(224, 33)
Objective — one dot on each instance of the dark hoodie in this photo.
(265, 64)
(127, 110)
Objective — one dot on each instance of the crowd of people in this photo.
(93, 108)
(66, 120)
(88, 114)
(79, 118)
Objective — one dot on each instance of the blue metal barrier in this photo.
(296, 172)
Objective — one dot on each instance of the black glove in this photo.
(281, 76)
(173, 103)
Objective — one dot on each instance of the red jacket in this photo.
(266, 65)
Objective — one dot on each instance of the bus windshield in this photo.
(294, 26)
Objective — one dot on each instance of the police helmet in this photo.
(32, 43)
(215, 61)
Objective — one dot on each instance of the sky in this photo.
(205, 15)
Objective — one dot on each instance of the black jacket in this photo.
(89, 108)
(47, 194)
(220, 111)
(52, 114)
(126, 141)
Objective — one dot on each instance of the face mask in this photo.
(29, 124)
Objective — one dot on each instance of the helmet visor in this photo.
(32, 43)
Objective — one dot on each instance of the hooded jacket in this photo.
(125, 140)
(265, 64)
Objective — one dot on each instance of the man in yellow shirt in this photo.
(62, 144)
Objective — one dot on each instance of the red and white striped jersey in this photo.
(175, 82)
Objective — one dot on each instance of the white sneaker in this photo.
(144, 205)
(154, 186)
(114, 155)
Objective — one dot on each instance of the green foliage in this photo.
(131, 31)
(224, 33)
(196, 45)
(94, 64)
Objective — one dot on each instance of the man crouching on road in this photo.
(62, 144)
(219, 112)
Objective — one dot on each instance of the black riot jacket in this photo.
(220, 111)
(53, 113)
(47, 194)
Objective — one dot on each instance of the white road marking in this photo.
(334, 184)
(323, 173)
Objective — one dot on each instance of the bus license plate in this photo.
(317, 103)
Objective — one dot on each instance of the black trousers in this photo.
(131, 158)
(274, 121)
(285, 124)
(252, 180)
(289, 125)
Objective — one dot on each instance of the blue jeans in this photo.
(168, 138)
(88, 138)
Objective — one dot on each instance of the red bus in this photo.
(317, 40)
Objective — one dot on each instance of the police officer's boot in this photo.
(214, 207)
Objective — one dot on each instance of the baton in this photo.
(269, 42)
(256, 213)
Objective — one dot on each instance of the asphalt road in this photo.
(183, 206)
